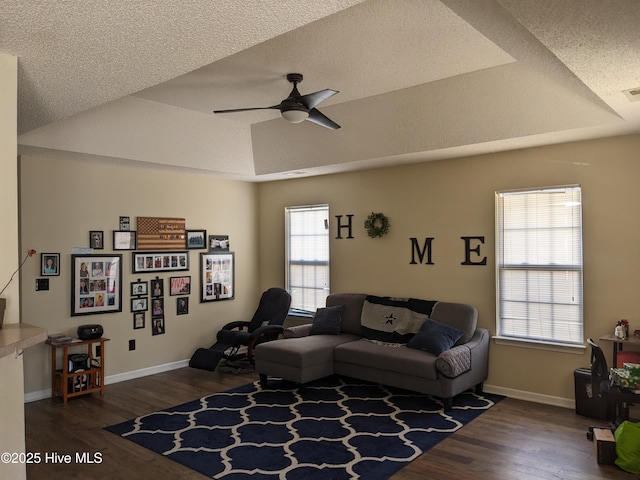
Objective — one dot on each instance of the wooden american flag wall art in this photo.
(160, 233)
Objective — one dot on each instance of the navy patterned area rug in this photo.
(339, 428)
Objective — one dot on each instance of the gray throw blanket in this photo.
(392, 320)
(454, 361)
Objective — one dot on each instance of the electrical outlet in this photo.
(132, 345)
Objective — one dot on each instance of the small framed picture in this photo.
(125, 223)
(96, 239)
(138, 320)
(196, 239)
(157, 306)
(124, 240)
(218, 243)
(157, 287)
(50, 264)
(157, 325)
(139, 289)
(180, 285)
(182, 305)
(139, 304)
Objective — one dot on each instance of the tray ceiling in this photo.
(418, 80)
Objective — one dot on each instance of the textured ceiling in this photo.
(418, 79)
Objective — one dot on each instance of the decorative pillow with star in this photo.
(392, 320)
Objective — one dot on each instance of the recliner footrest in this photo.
(208, 358)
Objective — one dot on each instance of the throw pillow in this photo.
(435, 337)
(327, 321)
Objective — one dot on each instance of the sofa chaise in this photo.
(429, 347)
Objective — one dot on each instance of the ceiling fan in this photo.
(296, 108)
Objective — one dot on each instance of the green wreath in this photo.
(377, 225)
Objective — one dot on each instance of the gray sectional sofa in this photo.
(357, 348)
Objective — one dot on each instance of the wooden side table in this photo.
(68, 384)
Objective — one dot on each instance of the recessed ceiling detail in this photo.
(418, 80)
(633, 94)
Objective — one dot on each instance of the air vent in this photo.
(633, 94)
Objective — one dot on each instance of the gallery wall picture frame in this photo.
(138, 320)
(157, 325)
(157, 306)
(96, 239)
(149, 262)
(125, 223)
(180, 285)
(218, 243)
(182, 305)
(49, 264)
(139, 304)
(124, 240)
(96, 284)
(217, 276)
(139, 288)
(196, 239)
(157, 287)
(161, 233)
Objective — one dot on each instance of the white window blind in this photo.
(307, 256)
(539, 265)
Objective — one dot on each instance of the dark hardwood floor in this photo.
(513, 440)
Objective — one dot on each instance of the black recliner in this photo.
(265, 325)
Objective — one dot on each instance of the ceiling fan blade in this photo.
(312, 99)
(276, 107)
(318, 118)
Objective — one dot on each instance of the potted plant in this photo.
(3, 301)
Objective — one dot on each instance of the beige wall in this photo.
(12, 412)
(454, 198)
(62, 200)
(9, 185)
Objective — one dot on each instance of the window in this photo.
(539, 265)
(307, 256)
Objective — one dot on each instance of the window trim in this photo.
(320, 206)
(536, 342)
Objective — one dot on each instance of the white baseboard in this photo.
(531, 396)
(35, 396)
(143, 372)
(119, 377)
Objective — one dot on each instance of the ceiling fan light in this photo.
(295, 116)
